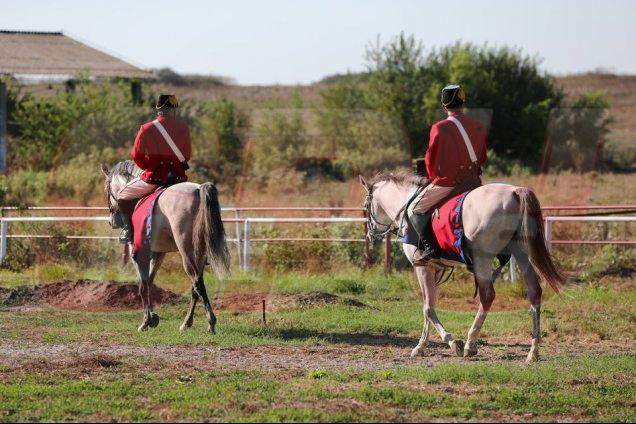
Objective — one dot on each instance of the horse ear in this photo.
(104, 170)
(364, 183)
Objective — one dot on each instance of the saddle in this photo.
(444, 230)
(141, 220)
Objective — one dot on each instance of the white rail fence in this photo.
(243, 239)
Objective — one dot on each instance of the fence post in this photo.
(513, 270)
(239, 237)
(4, 116)
(387, 254)
(548, 233)
(4, 230)
(246, 245)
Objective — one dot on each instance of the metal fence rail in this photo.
(243, 239)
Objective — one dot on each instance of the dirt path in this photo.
(16, 355)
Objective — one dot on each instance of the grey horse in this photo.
(497, 218)
(187, 219)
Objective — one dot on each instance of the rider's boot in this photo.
(124, 217)
(126, 235)
(425, 248)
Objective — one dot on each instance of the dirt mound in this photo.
(111, 295)
(92, 294)
(242, 302)
(83, 294)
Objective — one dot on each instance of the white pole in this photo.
(4, 230)
(548, 234)
(239, 237)
(246, 245)
(513, 270)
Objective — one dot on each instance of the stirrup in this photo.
(125, 237)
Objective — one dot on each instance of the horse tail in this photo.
(208, 232)
(532, 235)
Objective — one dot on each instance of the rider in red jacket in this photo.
(162, 149)
(455, 154)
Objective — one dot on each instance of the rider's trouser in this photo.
(430, 196)
(135, 189)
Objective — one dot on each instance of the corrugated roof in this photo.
(27, 53)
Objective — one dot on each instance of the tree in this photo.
(505, 89)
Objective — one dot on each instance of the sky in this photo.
(290, 42)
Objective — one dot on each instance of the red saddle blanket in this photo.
(448, 228)
(142, 222)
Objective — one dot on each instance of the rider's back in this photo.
(152, 153)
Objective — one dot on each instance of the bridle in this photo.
(372, 220)
(378, 230)
(112, 207)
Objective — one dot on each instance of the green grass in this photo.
(585, 388)
(582, 375)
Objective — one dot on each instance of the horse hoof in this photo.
(142, 327)
(470, 351)
(153, 321)
(532, 357)
(211, 329)
(415, 352)
(458, 345)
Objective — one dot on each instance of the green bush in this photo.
(23, 187)
(576, 134)
(281, 139)
(50, 130)
(218, 139)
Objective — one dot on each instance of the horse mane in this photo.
(126, 169)
(401, 177)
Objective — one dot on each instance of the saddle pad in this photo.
(142, 221)
(448, 228)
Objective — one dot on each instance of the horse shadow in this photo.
(352, 339)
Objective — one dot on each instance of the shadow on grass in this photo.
(354, 339)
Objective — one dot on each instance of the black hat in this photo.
(167, 100)
(453, 96)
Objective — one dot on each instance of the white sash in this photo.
(462, 131)
(169, 141)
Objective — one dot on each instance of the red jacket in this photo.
(447, 159)
(152, 154)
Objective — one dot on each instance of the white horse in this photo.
(497, 219)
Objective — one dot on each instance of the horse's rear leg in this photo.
(533, 287)
(200, 289)
(194, 268)
(484, 281)
(187, 322)
(146, 270)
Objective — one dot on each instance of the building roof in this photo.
(53, 55)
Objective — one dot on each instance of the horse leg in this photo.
(425, 329)
(142, 265)
(187, 322)
(484, 281)
(533, 286)
(195, 267)
(430, 276)
(155, 263)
